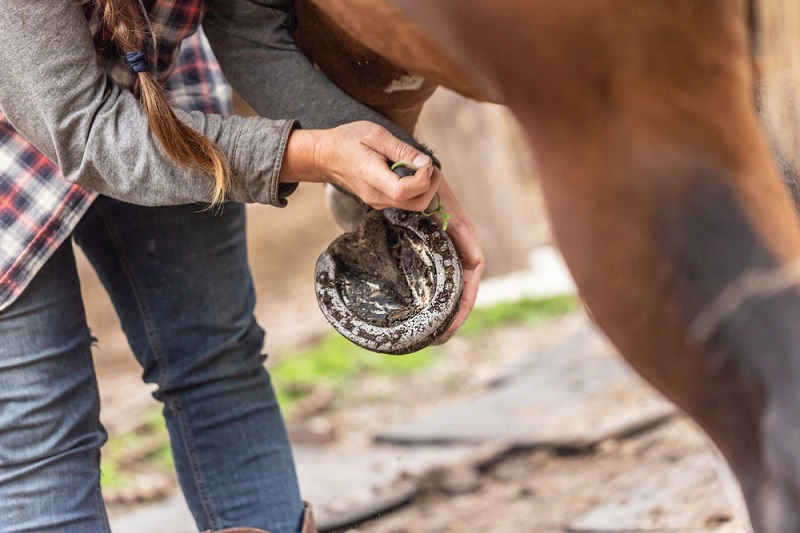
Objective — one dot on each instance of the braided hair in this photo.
(184, 145)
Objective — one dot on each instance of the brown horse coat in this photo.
(665, 202)
(355, 43)
(662, 192)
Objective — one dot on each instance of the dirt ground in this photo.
(544, 491)
(530, 490)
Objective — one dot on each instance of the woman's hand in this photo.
(465, 239)
(354, 157)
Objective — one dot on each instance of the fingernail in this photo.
(421, 160)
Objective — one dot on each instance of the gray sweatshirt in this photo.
(55, 94)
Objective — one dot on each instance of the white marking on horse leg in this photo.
(406, 82)
(758, 284)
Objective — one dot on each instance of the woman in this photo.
(90, 150)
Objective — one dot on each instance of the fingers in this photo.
(468, 296)
(387, 189)
(354, 156)
(413, 192)
(465, 239)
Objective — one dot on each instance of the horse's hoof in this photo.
(394, 285)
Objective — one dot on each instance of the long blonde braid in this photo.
(183, 144)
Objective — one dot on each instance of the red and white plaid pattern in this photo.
(38, 208)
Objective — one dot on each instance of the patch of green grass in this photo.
(150, 442)
(525, 311)
(162, 455)
(112, 477)
(335, 361)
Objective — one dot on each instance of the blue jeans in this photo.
(180, 282)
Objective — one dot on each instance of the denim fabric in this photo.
(49, 429)
(179, 280)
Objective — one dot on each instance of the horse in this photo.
(342, 43)
(663, 191)
(363, 48)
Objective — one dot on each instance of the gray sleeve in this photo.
(53, 92)
(252, 39)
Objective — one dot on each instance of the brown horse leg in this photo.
(665, 204)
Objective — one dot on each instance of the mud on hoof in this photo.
(393, 285)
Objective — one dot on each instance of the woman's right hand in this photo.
(354, 156)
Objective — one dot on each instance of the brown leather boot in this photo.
(309, 525)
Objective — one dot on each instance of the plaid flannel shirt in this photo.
(38, 208)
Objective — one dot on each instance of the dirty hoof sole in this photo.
(392, 286)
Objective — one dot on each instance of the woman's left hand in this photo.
(465, 239)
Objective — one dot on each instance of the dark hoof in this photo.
(393, 285)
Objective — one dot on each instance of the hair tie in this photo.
(138, 61)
